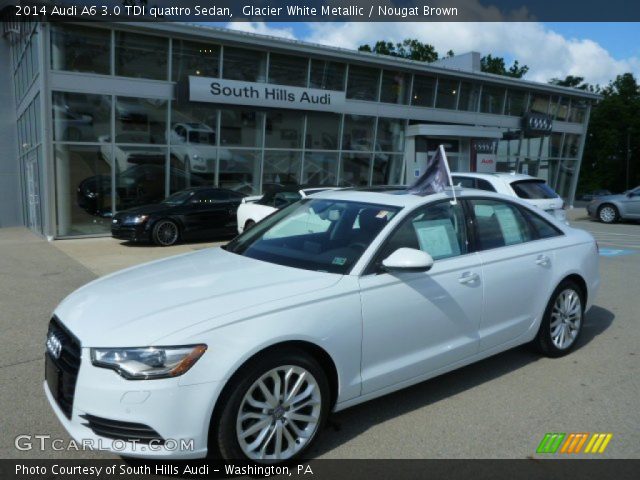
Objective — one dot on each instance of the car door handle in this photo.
(468, 277)
(543, 260)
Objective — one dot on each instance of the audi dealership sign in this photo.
(537, 123)
(203, 89)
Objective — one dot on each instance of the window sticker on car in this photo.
(339, 260)
(508, 224)
(437, 238)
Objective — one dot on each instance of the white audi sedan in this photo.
(332, 301)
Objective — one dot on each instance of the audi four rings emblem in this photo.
(541, 123)
(54, 346)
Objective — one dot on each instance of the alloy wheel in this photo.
(279, 414)
(607, 214)
(566, 318)
(167, 233)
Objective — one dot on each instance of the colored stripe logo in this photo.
(574, 443)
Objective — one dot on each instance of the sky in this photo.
(596, 51)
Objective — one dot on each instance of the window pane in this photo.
(141, 56)
(543, 228)
(447, 93)
(390, 137)
(284, 129)
(193, 140)
(81, 49)
(288, 70)
(327, 75)
(240, 171)
(357, 132)
(499, 224)
(561, 108)
(423, 91)
(322, 131)
(191, 58)
(571, 145)
(387, 169)
(320, 168)
(83, 190)
(539, 103)
(436, 229)
(363, 83)
(143, 182)
(281, 167)
(578, 110)
(79, 117)
(492, 99)
(141, 120)
(241, 127)
(242, 64)
(516, 103)
(354, 169)
(395, 87)
(554, 145)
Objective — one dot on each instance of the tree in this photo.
(409, 48)
(496, 65)
(614, 121)
(575, 82)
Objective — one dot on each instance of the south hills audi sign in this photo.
(203, 89)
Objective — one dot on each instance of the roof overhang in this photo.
(433, 130)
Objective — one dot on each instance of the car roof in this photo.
(506, 176)
(397, 198)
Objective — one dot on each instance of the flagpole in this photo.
(446, 164)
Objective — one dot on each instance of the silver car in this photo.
(611, 208)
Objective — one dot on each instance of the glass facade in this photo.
(115, 150)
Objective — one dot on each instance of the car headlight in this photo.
(136, 219)
(146, 363)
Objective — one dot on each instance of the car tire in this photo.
(562, 322)
(608, 213)
(249, 224)
(165, 233)
(252, 423)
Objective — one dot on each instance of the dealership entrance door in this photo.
(32, 176)
(459, 141)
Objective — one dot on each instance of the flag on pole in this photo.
(436, 176)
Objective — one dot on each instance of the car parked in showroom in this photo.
(138, 185)
(612, 208)
(193, 214)
(255, 208)
(246, 349)
(531, 189)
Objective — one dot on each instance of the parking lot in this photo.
(498, 408)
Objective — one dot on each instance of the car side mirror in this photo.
(408, 260)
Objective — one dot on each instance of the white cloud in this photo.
(547, 53)
(262, 28)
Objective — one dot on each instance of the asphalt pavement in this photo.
(498, 408)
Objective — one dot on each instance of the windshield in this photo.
(178, 198)
(533, 189)
(315, 234)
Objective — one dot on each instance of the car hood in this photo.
(137, 306)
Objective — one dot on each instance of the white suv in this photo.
(530, 189)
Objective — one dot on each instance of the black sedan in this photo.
(194, 214)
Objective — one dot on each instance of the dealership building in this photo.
(96, 118)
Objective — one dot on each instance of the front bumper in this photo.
(131, 233)
(591, 210)
(180, 414)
